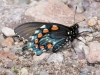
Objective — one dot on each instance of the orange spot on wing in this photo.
(40, 35)
(54, 27)
(36, 41)
(45, 31)
(36, 45)
(49, 46)
(41, 47)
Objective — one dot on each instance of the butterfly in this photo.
(44, 36)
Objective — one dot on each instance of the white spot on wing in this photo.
(69, 36)
(30, 44)
(68, 33)
(54, 25)
(32, 37)
(37, 31)
(54, 43)
(44, 26)
(67, 39)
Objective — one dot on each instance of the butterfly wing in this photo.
(27, 29)
(52, 33)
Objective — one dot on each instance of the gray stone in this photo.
(83, 74)
(1, 40)
(24, 71)
(55, 57)
(80, 8)
(44, 72)
(8, 31)
(61, 13)
(94, 52)
(12, 2)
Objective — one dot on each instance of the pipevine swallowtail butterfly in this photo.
(45, 36)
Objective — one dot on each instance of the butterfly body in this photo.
(46, 36)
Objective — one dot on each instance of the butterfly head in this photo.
(74, 31)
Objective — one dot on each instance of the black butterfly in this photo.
(45, 36)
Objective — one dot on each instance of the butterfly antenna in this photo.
(75, 14)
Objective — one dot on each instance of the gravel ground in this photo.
(65, 62)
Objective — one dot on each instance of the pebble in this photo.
(1, 73)
(65, 1)
(12, 2)
(82, 39)
(99, 22)
(83, 74)
(80, 8)
(56, 58)
(96, 34)
(81, 49)
(1, 40)
(88, 38)
(8, 31)
(94, 52)
(97, 72)
(92, 21)
(97, 0)
(41, 57)
(60, 10)
(24, 71)
(85, 69)
(8, 55)
(10, 64)
(6, 49)
(44, 72)
(8, 41)
(83, 29)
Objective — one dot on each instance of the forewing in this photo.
(27, 29)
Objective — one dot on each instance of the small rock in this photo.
(80, 8)
(24, 71)
(88, 38)
(1, 40)
(6, 49)
(1, 73)
(65, 1)
(10, 64)
(92, 21)
(44, 73)
(94, 52)
(80, 55)
(97, 72)
(97, 0)
(17, 1)
(8, 42)
(96, 34)
(41, 57)
(33, 3)
(81, 49)
(87, 69)
(85, 30)
(55, 57)
(8, 31)
(82, 39)
(83, 74)
(61, 12)
(8, 55)
(99, 22)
